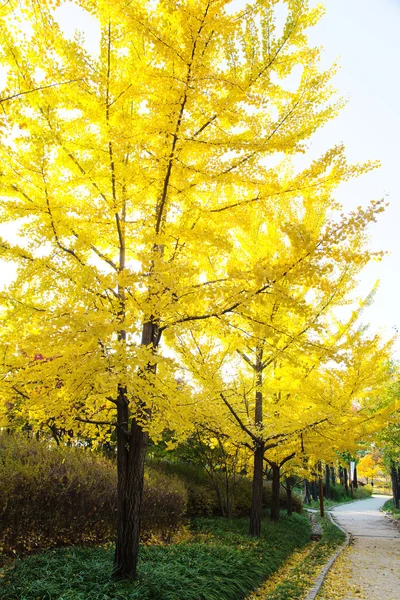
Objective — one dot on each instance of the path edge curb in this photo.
(312, 593)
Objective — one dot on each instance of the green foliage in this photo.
(56, 496)
(202, 496)
(338, 493)
(389, 507)
(221, 563)
(362, 492)
(297, 504)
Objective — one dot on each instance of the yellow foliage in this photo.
(160, 255)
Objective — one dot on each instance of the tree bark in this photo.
(397, 504)
(276, 488)
(333, 476)
(345, 483)
(257, 487)
(321, 490)
(395, 486)
(307, 492)
(257, 491)
(314, 492)
(355, 479)
(131, 453)
(289, 498)
(327, 482)
(341, 476)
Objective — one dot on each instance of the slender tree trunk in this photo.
(341, 476)
(314, 492)
(321, 490)
(307, 492)
(257, 491)
(333, 476)
(289, 498)
(220, 501)
(395, 486)
(355, 479)
(398, 485)
(276, 488)
(257, 488)
(327, 482)
(345, 483)
(227, 493)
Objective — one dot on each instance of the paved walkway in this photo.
(371, 567)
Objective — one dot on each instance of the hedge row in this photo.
(57, 496)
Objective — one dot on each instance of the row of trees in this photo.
(175, 269)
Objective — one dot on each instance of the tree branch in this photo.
(43, 87)
(93, 422)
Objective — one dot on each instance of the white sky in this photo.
(364, 36)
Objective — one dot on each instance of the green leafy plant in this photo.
(221, 562)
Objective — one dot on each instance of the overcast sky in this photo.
(364, 36)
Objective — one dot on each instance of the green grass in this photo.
(301, 578)
(221, 562)
(389, 507)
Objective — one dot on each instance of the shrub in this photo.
(202, 497)
(164, 504)
(56, 496)
(297, 504)
(363, 492)
(243, 497)
(338, 493)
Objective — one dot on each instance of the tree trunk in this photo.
(257, 491)
(289, 499)
(321, 490)
(314, 492)
(221, 504)
(307, 492)
(345, 483)
(341, 476)
(257, 488)
(398, 485)
(355, 480)
(131, 452)
(276, 488)
(327, 482)
(395, 486)
(333, 476)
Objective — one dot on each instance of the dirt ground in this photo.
(370, 567)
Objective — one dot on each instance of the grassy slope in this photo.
(219, 563)
(389, 507)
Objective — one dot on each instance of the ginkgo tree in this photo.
(128, 172)
(282, 342)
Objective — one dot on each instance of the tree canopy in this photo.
(173, 263)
